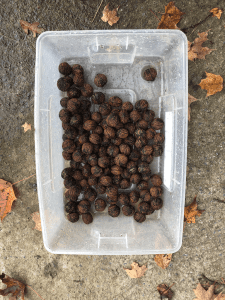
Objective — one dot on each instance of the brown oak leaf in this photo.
(202, 294)
(190, 100)
(26, 126)
(7, 196)
(110, 16)
(171, 18)
(212, 83)
(216, 12)
(195, 49)
(136, 271)
(163, 260)
(164, 291)
(191, 211)
(14, 287)
(36, 218)
(33, 27)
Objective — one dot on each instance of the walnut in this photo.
(130, 140)
(90, 194)
(86, 170)
(119, 126)
(84, 206)
(147, 150)
(77, 175)
(140, 133)
(98, 130)
(67, 172)
(139, 217)
(100, 204)
(76, 120)
(86, 90)
(100, 80)
(85, 104)
(109, 132)
(125, 149)
(156, 180)
(87, 218)
(126, 174)
(64, 83)
(77, 156)
(65, 69)
(68, 146)
(134, 197)
(104, 124)
(146, 176)
(143, 167)
(106, 141)
(122, 133)
(96, 116)
(112, 193)
(157, 203)
(100, 189)
(105, 180)
(115, 101)
(84, 184)
(157, 150)
(157, 124)
(135, 116)
(87, 148)
(142, 124)
(90, 125)
(65, 115)
(135, 155)
(69, 182)
(71, 207)
(63, 102)
(113, 120)
(73, 105)
(150, 133)
(135, 178)
(141, 105)
(150, 74)
(132, 167)
(125, 184)
(124, 116)
(86, 116)
(104, 161)
(113, 150)
(67, 126)
(156, 191)
(77, 68)
(84, 138)
(159, 138)
(113, 210)
(102, 151)
(78, 79)
(74, 190)
(143, 207)
(73, 217)
(73, 91)
(148, 115)
(116, 179)
(140, 142)
(145, 195)
(130, 127)
(128, 210)
(143, 185)
(116, 170)
(96, 171)
(98, 98)
(117, 141)
(94, 138)
(92, 180)
(123, 199)
(127, 106)
(121, 160)
(147, 158)
(105, 109)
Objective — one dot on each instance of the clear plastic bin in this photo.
(122, 55)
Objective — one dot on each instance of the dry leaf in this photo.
(190, 100)
(195, 49)
(216, 12)
(26, 126)
(163, 260)
(191, 211)
(171, 17)
(136, 271)
(7, 196)
(202, 294)
(14, 287)
(164, 291)
(110, 16)
(212, 83)
(36, 218)
(33, 27)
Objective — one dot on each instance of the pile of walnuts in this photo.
(109, 150)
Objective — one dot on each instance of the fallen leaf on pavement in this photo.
(191, 211)
(163, 260)
(202, 294)
(216, 12)
(7, 196)
(136, 271)
(33, 27)
(212, 83)
(171, 17)
(110, 16)
(165, 291)
(36, 218)
(14, 287)
(26, 126)
(190, 100)
(195, 49)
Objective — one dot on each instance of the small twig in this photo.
(9, 38)
(218, 200)
(34, 291)
(185, 30)
(24, 179)
(97, 11)
(213, 281)
(154, 14)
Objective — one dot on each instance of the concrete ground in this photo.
(23, 255)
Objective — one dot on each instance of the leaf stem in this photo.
(34, 291)
(23, 179)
